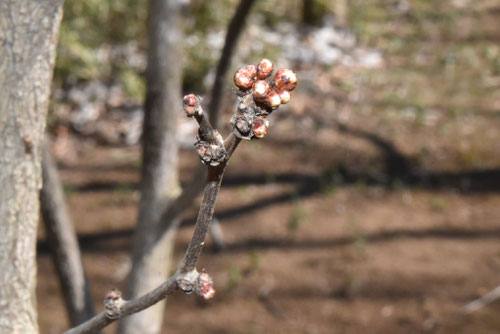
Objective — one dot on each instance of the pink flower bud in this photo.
(190, 100)
(205, 286)
(259, 128)
(264, 69)
(273, 99)
(191, 104)
(284, 96)
(260, 90)
(243, 79)
(252, 71)
(208, 291)
(285, 79)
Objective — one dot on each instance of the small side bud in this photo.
(273, 100)
(242, 125)
(204, 150)
(285, 79)
(191, 105)
(243, 79)
(259, 128)
(209, 153)
(264, 69)
(205, 285)
(284, 96)
(113, 304)
(260, 90)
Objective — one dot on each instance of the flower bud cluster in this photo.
(271, 95)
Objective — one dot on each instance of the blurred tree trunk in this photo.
(63, 243)
(160, 184)
(308, 17)
(28, 36)
(341, 10)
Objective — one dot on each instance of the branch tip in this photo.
(191, 104)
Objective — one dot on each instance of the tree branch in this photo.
(63, 243)
(249, 122)
(186, 278)
(125, 308)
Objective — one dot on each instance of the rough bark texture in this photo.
(63, 243)
(151, 264)
(28, 35)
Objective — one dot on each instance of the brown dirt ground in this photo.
(326, 233)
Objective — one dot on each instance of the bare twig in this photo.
(249, 122)
(186, 278)
(483, 301)
(127, 307)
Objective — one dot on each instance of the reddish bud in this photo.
(284, 96)
(191, 104)
(243, 79)
(252, 71)
(113, 304)
(285, 79)
(273, 99)
(190, 100)
(264, 69)
(259, 128)
(260, 90)
(205, 286)
(208, 292)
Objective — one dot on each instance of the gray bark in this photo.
(160, 184)
(28, 35)
(63, 243)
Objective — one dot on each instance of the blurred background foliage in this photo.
(435, 43)
(92, 30)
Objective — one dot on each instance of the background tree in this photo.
(63, 243)
(162, 205)
(160, 183)
(28, 36)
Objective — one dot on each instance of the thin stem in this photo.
(129, 307)
(207, 207)
(205, 215)
(206, 130)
